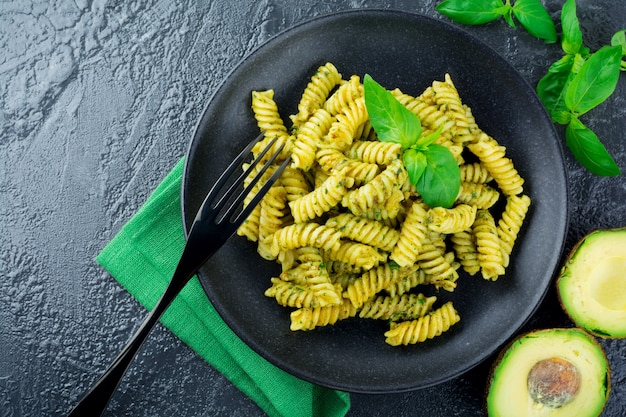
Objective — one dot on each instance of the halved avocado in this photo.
(550, 373)
(592, 283)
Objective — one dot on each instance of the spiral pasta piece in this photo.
(365, 231)
(310, 318)
(362, 172)
(475, 194)
(475, 172)
(428, 327)
(452, 220)
(448, 100)
(470, 119)
(343, 131)
(290, 294)
(322, 199)
(342, 277)
(283, 142)
(376, 192)
(373, 281)
(308, 254)
(308, 137)
(295, 183)
(465, 248)
(488, 246)
(403, 307)
(408, 278)
(314, 276)
(437, 239)
(316, 92)
(344, 95)
(440, 271)
(289, 259)
(412, 235)
(266, 114)
(510, 223)
(357, 254)
(271, 219)
(333, 159)
(375, 152)
(305, 234)
(329, 159)
(493, 157)
(250, 227)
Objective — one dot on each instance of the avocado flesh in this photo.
(509, 394)
(592, 283)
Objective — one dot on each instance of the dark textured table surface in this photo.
(99, 99)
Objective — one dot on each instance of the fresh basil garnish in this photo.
(530, 13)
(574, 84)
(431, 167)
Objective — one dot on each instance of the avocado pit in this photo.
(553, 382)
(550, 373)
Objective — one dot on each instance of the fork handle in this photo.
(95, 401)
(202, 243)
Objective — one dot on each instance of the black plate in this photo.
(408, 51)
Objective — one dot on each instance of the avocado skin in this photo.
(542, 333)
(565, 278)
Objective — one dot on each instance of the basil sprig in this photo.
(431, 167)
(530, 13)
(576, 84)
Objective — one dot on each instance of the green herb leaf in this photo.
(619, 39)
(588, 149)
(595, 81)
(552, 86)
(415, 163)
(471, 12)
(572, 38)
(507, 14)
(536, 19)
(431, 167)
(428, 139)
(440, 182)
(391, 120)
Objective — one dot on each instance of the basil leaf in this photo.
(619, 38)
(415, 164)
(471, 12)
(588, 149)
(428, 139)
(536, 19)
(595, 81)
(508, 16)
(552, 86)
(440, 182)
(572, 38)
(390, 119)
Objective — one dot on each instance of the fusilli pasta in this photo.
(350, 230)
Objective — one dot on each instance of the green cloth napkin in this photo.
(142, 257)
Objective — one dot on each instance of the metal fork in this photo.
(216, 221)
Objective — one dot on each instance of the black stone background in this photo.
(99, 99)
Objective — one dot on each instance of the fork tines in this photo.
(227, 205)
